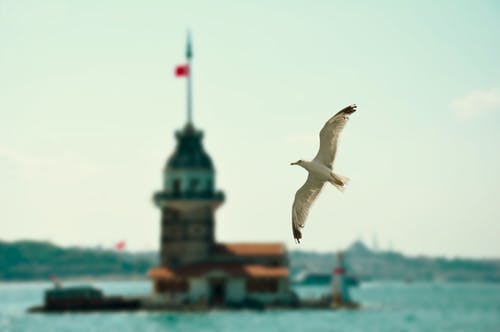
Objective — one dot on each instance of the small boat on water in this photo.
(83, 298)
(306, 278)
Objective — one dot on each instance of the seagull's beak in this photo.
(295, 163)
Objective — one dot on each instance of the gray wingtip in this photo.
(297, 234)
(349, 109)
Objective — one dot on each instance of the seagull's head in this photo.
(298, 162)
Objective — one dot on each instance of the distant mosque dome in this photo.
(189, 153)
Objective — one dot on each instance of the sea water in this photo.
(386, 306)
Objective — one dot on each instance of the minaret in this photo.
(188, 199)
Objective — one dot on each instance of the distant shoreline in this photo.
(39, 261)
(79, 279)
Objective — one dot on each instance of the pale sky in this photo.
(89, 106)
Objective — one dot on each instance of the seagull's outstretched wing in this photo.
(329, 136)
(304, 197)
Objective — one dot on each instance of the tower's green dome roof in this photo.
(189, 152)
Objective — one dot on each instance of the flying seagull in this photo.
(320, 169)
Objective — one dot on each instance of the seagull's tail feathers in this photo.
(339, 181)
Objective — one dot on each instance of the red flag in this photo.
(182, 70)
(120, 245)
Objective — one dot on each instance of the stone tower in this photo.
(188, 199)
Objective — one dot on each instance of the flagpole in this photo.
(189, 55)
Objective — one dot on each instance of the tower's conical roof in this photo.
(189, 152)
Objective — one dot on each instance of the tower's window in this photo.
(197, 231)
(194, 185)
(172, 286)
(174, 231)
(177, 186)
(262, 285)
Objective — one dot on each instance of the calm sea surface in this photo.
(386, 307)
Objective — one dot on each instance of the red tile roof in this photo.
(250, 249)
(234, 270)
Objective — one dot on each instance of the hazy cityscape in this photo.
(31, 260)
